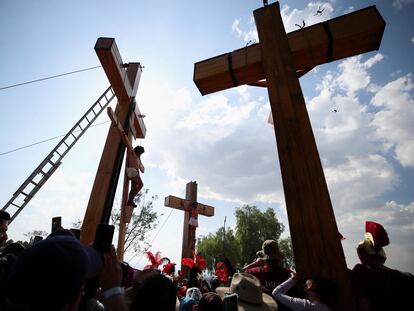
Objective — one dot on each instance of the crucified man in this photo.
(133, 160)
(134, 166)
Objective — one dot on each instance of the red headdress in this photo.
(169, 268)
(222, 272)
(155, 260)
(376, 233)
(197, 262)
(375, 238)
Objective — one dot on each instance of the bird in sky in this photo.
(319, 11)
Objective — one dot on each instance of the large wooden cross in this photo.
(280, 59)
(124, 79)
(186, 205)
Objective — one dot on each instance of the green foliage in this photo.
(253, 227)
(285, 246)
(219, 245)
(143, 221)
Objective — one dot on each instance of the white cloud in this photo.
(359, 180)
(399, 4)
(354, 75)
(394, 122)
(235, 27)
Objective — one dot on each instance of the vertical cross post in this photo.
(316, 243)
(189, 231)
(125, 85)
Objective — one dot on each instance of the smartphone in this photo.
(230, 302)
(56, 223)
(103, 238)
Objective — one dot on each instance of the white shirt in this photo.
(296, 304)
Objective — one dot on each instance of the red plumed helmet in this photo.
(169, 268)
(376, 233)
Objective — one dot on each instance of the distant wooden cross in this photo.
(277, 62)
(191, 207)
(124, 79)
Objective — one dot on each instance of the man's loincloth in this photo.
(132, 172)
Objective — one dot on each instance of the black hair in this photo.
(210, 302)
(139, 150)
(155, 292)
(4, 215)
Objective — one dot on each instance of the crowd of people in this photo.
(60, 273)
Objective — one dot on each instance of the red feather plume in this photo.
(169, 268)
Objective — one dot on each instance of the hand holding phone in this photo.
(103, 238)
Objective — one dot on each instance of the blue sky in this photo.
(222, 140)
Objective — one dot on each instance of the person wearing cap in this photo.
(50, 274)
(376, 286)
(268, 267)
(249, 293)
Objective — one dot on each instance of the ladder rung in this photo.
(73, 135)
(24, 193)
(52, 163)
(15, 205)
(87, 119)
(34, 183)
(65, 144)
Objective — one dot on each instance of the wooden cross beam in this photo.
(186, 205)
(352, 34)
(125, 83)
(278, 59)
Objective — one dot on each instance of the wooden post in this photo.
(280, 59)
(317, 247)
(185, 205)
(125, 84)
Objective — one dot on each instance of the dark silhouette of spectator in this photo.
(210, 302)
(376, 286)
(4, 225)
(153, 291)
(50, 274)
(268, 267)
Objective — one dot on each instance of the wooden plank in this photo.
(357, 32)
(184, 205)
(102, 194)
(138, 124)
(315, 240)
(111, 61)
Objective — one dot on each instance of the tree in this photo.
(253, 227)
(143, 221)
(285, 246)
(219, 245)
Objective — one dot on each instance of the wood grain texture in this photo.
(315, 239)
(125, 84)
(352, 34)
